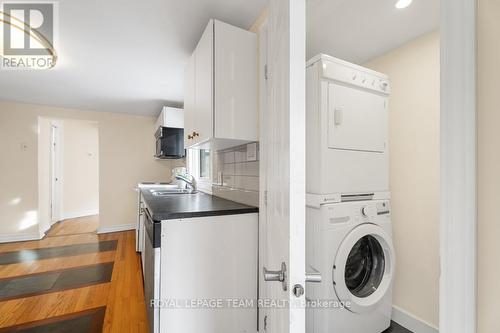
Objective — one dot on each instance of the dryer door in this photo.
(364, 268)
(357, 119)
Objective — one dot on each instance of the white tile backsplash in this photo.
(236, 178)
(228, 169)
(252, 169)
(239, 169)
(246, 183)
(228, 181)
(229, 157)
(240, 156)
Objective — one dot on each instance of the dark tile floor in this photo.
(41, 283)
(54, 252)
(396, 328)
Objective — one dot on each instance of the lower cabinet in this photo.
(208, 280)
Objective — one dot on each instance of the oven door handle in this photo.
(148, 215)
(153, 229)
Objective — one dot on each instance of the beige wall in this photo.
(414, 72)
(80, 168)
(488, 165)
(126, 147)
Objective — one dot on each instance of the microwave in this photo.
(169, 143)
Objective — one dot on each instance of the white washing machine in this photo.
(346, 128)
(350, 245)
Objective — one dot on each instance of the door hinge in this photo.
(265, 72)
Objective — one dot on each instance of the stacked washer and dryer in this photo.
(348, 232)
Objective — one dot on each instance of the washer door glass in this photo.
(364, 269)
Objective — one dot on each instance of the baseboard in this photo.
(409, 321)
(116, 228)
(19, 238)
(73, 215)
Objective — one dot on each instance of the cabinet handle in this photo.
(196, 134)
(190, 137)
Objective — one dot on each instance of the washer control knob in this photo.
(365, 211)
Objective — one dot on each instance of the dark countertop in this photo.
(177, 206)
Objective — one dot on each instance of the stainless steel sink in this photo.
(170, 191)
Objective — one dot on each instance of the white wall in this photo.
(126, 147)
(80, 168)
(414, 106)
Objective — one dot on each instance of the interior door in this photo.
(54, 174)
(283, 162)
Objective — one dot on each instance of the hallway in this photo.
(73, 280)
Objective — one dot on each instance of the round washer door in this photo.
(364, 268)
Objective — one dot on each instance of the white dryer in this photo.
(350, 245)
(346, 128)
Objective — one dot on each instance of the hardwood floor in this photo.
(122, 298)
(80, 225)
(115, 306)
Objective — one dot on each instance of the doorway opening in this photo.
(69, 176)
(357, 49)
(54, 174)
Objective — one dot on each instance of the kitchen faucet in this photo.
(189, 180)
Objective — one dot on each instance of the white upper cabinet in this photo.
(221, 102)
(189, 97)
(203, 115)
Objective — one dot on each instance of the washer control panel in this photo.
(370, 210)
(383, 208)
(357, 212)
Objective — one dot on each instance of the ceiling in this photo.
(123, 55)
(129, 56)
(360, 30)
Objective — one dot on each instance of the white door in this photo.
(54, 174)
(283, 161)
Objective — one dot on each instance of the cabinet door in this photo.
(189, 100)
(218, 262)
(204, 85)
(235, 80)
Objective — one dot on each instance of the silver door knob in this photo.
(314, 276)
(278, 276)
